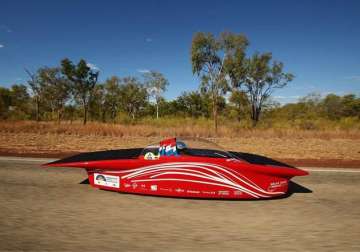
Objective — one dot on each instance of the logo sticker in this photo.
(223, 192)
(106, 180)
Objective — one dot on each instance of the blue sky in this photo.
(318, 41)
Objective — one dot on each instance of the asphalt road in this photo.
(48, 209)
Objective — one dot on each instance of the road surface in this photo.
(48, 209)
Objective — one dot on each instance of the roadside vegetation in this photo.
(234, 99)
(189, 114)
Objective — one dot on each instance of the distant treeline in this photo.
(126, 100)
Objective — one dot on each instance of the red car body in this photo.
(193, 173)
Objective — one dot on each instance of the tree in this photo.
(262, 77)
(5, 102)
(194, 104)
(332, 106)
(211, 60)
(133, 96)
(34, 85)
(20, 99)
(112, 96)
(156, 84)
(55, 89)
(97, 105)
(241, 102)
(351, 105)
(83, 80)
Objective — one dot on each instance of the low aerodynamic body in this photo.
(171, 168)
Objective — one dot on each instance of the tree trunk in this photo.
(239, 113)
(103, 113)
(37, 109)
(58, 116)
(215, 114)
(255, 114)
(113, 115)
(85, 113)
(157, 110)
(52, 113)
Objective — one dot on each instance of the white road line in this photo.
(310, 169)
(26, 159)
(329, 169)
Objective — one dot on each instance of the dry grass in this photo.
(180, 128)
(31, 137)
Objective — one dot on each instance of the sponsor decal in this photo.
(134, 185)
(106, 180)
(179, 190)
(208, 192)
(151, 156)
(223, 192)
(238, 192)
(153, 187)
(126, 185)
(277, 184)
(166, 189)
(192, 191)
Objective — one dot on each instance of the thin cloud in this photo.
(148, 40)
(287, 97)
(93, 67)
(5, 28)
(143, 70)
(2, 46)
(353, 78)
(283, 99)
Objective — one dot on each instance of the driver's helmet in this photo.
(168, 147)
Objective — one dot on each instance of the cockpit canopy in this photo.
(184, 147)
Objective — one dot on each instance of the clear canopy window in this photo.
(188, 147)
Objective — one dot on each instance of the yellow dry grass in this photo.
(47, 137)
(180, 128)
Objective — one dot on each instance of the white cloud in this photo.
(148, 40)
(93, 67)
(1, 46)
(143, 70)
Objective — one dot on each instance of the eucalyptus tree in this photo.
(97, 106)
(240, 101)
(83, 80)
(55, 89)
(156, 85)
(20, 100)
(5, 102)
(35, 88)
(193, 104)
(112, 96)
(212, 59)
(263, 76)
(133, 96)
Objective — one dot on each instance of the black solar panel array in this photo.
(102, 155)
